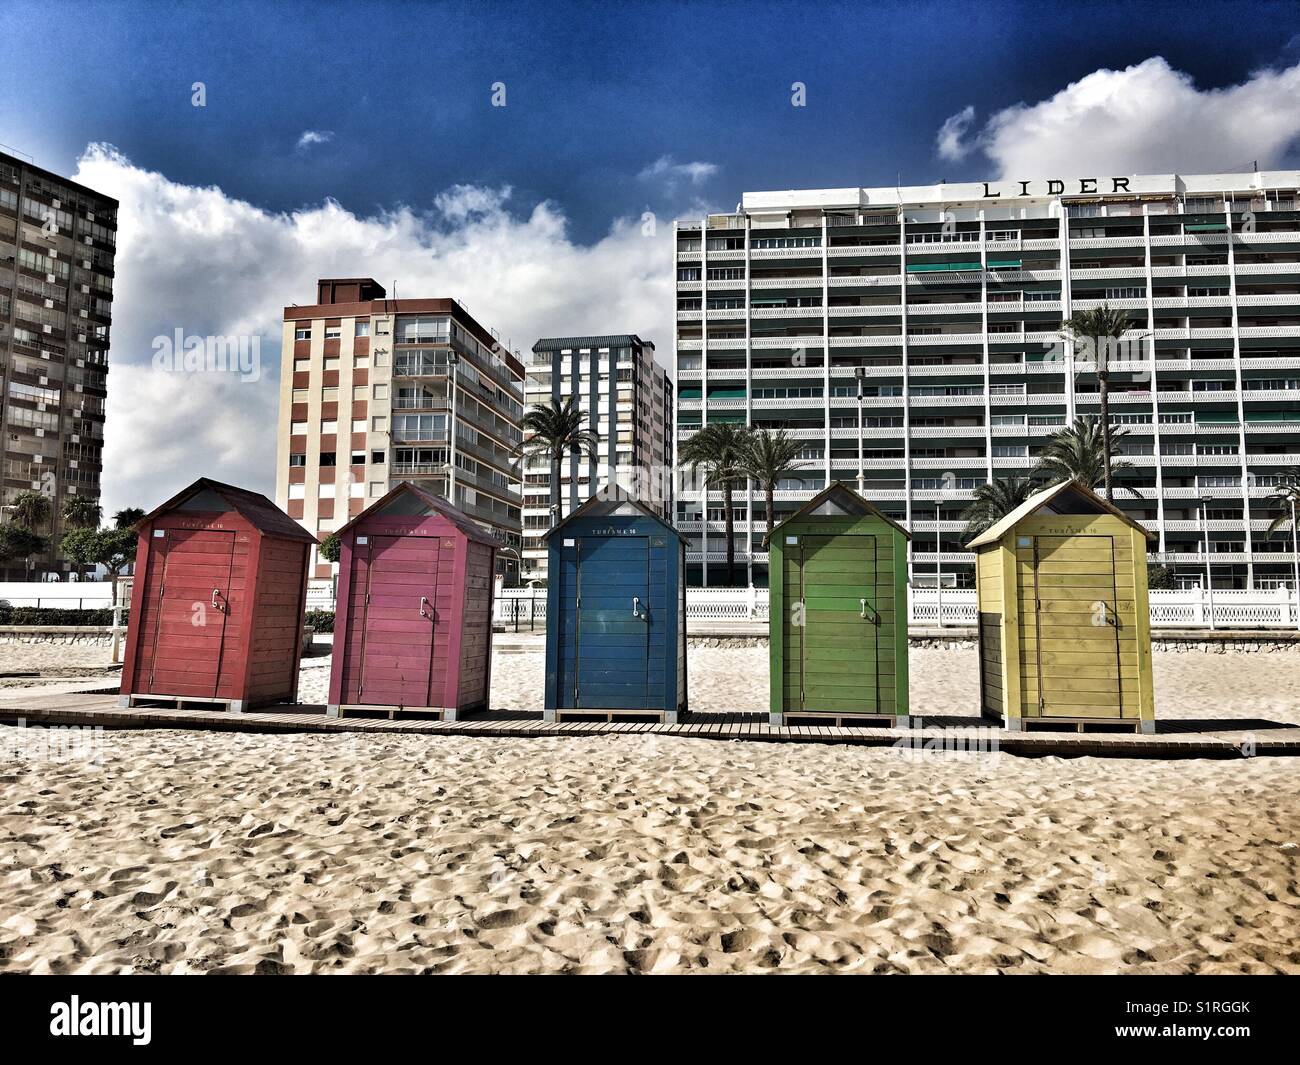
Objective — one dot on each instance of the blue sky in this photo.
(534, 214)
(595, 92)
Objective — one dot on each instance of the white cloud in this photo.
(315, 136)
(670, 174)
(199, 260)
(949, 142)
(1146, 119)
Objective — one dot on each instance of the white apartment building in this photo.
(628, 399)
(945, 304)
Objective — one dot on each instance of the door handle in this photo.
(215, 604)
(875, 617)
(424, 601)
(636, 607)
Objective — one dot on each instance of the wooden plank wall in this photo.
(275, 648)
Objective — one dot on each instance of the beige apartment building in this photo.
(374, 391)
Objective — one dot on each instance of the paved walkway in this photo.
(1173, 739)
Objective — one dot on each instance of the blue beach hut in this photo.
(615, 614)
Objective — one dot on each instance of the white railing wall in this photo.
(525, 608)
(1181, 609)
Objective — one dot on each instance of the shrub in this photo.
(321, 620)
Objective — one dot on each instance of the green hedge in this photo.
(321, 620)
(44, 615)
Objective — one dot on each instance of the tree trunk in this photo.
(728, 528)
(1103, 389)
(769, 496)
(555, 492)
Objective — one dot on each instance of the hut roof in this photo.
(840, 499)
(1068, 497)
(595, 507)
(410, 498)
(259, 511)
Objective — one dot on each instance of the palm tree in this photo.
(994, 501)
(1099, 328)
(1080, 453)
(1284, 500)
(770, 456)
(82, 513)
(126, 517)
(31, 509)
(720, 448)
(557, 430)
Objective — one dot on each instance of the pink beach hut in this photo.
(413, 618)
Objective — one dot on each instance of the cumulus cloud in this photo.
(672, 174)
(1145, 119)
(199, 260)
(950, 142)
(315, 136)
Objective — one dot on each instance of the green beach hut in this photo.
(838, 612)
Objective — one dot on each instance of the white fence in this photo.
(525, 608)
(957, 607)
(64, 595)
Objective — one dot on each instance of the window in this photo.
(297, 460)
(326, 491)
(331, 364)
(361, 362)
(302, 332)
(333, 332)
(297, 428)
(327, 458)
(377, 488)
(360, 392)
(302, 366)
(300, 395)
(297, 491)
(377, 457)
(328, 428)
(362, 329)
(329, 395)
(379, 424)
(356, 489)
(382, 327)
(358, 425)
(381, 392)
(358, 458)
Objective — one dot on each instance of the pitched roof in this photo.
(1068, 497)
(259, 511)
(838, 493)
(432, 503)
(595, 507)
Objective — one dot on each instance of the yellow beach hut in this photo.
(1064, 624)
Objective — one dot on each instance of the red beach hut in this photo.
(413, 621)
(218, 602)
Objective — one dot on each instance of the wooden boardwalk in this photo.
(1222, 738)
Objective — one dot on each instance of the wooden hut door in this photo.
(183, 631)
(614, 623)
(839, 666)
(1076, 628)
(400, 612)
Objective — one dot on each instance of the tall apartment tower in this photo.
(628, 399)
(944, 304)
(57, 242)
(376, 391)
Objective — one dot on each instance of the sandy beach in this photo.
(199, 852)
(205, 852)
